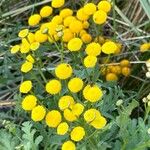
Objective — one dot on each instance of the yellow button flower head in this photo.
(62, 128)
(105, 6)
(46, 11)
(75, 85)
(38, 113)
(68, 145)
(145, 47)
(40, 37)
(30, 58)
(34, 20)
(93, 49)
(57, 19)
(67, 35)
(124, 63)
(68, 20)
(53, 118)
(63, 71)
(86, 38)
(29, 102)
(53, 87)
(77, 109)
(75, 44)
(65, 102)
(26, 67)
(25, 46)
(89, 8)
(31, 38)
(77, 134)
(92, 93)
(100, 17)
(90, 61)
(109, 47)
(57, 3)
(76, 26)
(82, 32)
(34, 46)
(15, 49)
(23, 33)
(25, 86)
(69, 115)
(111, 77)
(66, 12)
(86, 24)
(81, 15)
(126, 71)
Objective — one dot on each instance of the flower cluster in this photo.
(145, 47)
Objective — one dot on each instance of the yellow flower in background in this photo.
(67, 35)
(75, 85)
(77, 134)
(111, 77)
(126, 71)
(66, 12)
(90, 61)
(109, 47)
(145, 47)
(62, 128)
(63, 71)
(15, 49)
(25, 86)
(124, 63)
(86, 38)
(57, 3)
(76, 26)
(40, 37)
(29, 102)
(38, 113)
(89, 8)
(34, 20)
(26, 67)
(53, 87)
(46, 11)
(23, 33)
(53, 118)
(99, 17)
(81, 15)
(34, 46)
(86, 24)
(69, 115)
(77, 109)
(105, 6)
(30, 58)
(75, 44)
(68, 145)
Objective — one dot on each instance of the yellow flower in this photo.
(126, 71)
(92, 93)
(76, 26)
(75, 85)
(63, 71)
(34, 46)
(46, 11)
(86, 38)
(31, 38)
(100, 17)
(86, 24)
(75, 44)
(23, 33)
(29, 102)
(90, 61)
(66, 12)
(67, 35)
(40, 37)
(53, 87)
(93, 49)
(57, 3)
(34, 20)
(145, 47)
(81, 15)
(89, 8)
(57, 19)
(111, 77)
(77, 109)
(69, 115)
(68, 145)
(77, 133)
(26, 67)
(65, 102)
(30, 58)
(124, 63)
(68, 20)
(62, 128)
(25, 46)
(25, 86)
(105, 6)
(109, 47)
(82, 32)
(15, 49)
(53, 118)
(38, 113)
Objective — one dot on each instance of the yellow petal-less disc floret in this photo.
(15, 49)
(145, 47)
(69, 115)
(124, 63)
(38, 113)
(90, 61)
(57, 19)
(68, 20)
(68, 145)
(67, 35)
(53, 87)
(109, 47)
(26, 67)
(99, 17)
(30, 58)
(57, 3)
(89, 8)
(34, 20)
(86, 38)
(63, 71)
(31, 37)
(62, 128)
(76, 26)
(126, 71)
(53, 118)
(29, 102)
(75, 44)
(25, 46)
(34, 46)
(81, 15)
(46, 11)
(25, 86)
(77, 134)
(77, 109)
(111, 77)
(40, 37)
(23, 33)
(66, 12)
(105, 6)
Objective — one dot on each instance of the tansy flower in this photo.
(23, 33)
(40, 37)
(34, 46)
(75, 44)
(53, 87)
(109, 47)
(68, 20)
(57, 19)
(38, 113)
(89, 8)
(75, 85)
(53, 118)
(15, 49)
(62, 128)
(34, 20)
(77, 134)
(76, 26)
(126, 71)
(93, 49)
(111, 77)
(105, 6)
(99, 17)
(86, 24)
(46, 11)
(90, 61)
(81, 15)
(69, 115)
(25, 86)
(30, 58)
(145, 47)
(77, 109)
(86, 38)
(124, 63)
(66, 12)
(57, 3)
(25, 46)
(68, 145)
(26, 67)
(31, 37)
(63, 71)
(65, 102)
(82, 32)
(67, 35)
(29, 102)
(92, 93)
